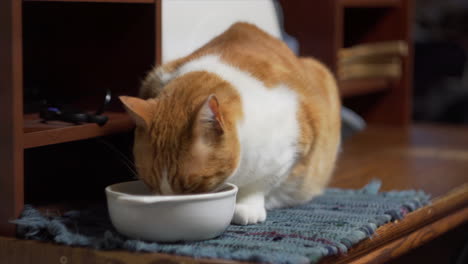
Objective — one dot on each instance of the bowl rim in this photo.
(168, 198)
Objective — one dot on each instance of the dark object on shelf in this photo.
(67, 114)
(51, 113)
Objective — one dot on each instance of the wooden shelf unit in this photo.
(324, 27)
(37, 133)
(357, 87)
(52, 44)
(72, 50)
(58, 48)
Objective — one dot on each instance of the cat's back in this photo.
(250, 49)
(269, 60)
(245, 50)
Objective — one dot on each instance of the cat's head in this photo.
(182, 147)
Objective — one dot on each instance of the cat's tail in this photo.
(158, 77)
(153, 84)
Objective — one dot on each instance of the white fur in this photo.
(268, 135)
(165, 186)
(164, 76)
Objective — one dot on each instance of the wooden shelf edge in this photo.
(370, 3)
(454, 201)
(97, 1)
(419, 237)
(43, 135)
(22, 251)
(355, 87)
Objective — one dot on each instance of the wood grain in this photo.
(396, 24)
(317, 25)
(422, 236)
(443, 249)
(158, 31)
(427, 157)
(363, 86)
(393, 106)
(432, 158)
(39, 134)
(27, 251)
(11, 114)
(428, 215)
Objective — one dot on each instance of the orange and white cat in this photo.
(241, 109)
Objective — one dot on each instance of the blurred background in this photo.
(440, 56)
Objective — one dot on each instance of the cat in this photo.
(241, 109)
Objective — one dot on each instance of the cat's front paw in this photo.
(247, 214)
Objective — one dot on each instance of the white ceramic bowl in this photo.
(137, 213)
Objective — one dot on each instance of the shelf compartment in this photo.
(371, 24)
(37, 133)
(98, 1)
(370, 3)
(356, 87)
(72, 55)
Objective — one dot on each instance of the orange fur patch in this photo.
(196, 158)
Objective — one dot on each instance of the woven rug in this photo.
(328, 225)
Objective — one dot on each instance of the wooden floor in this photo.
(427, 157)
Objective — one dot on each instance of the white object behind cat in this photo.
(189, 24)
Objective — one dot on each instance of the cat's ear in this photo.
(141, 111)
(209, 116)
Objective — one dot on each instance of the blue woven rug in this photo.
(328, 225)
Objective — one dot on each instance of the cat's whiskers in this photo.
(126, 161)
